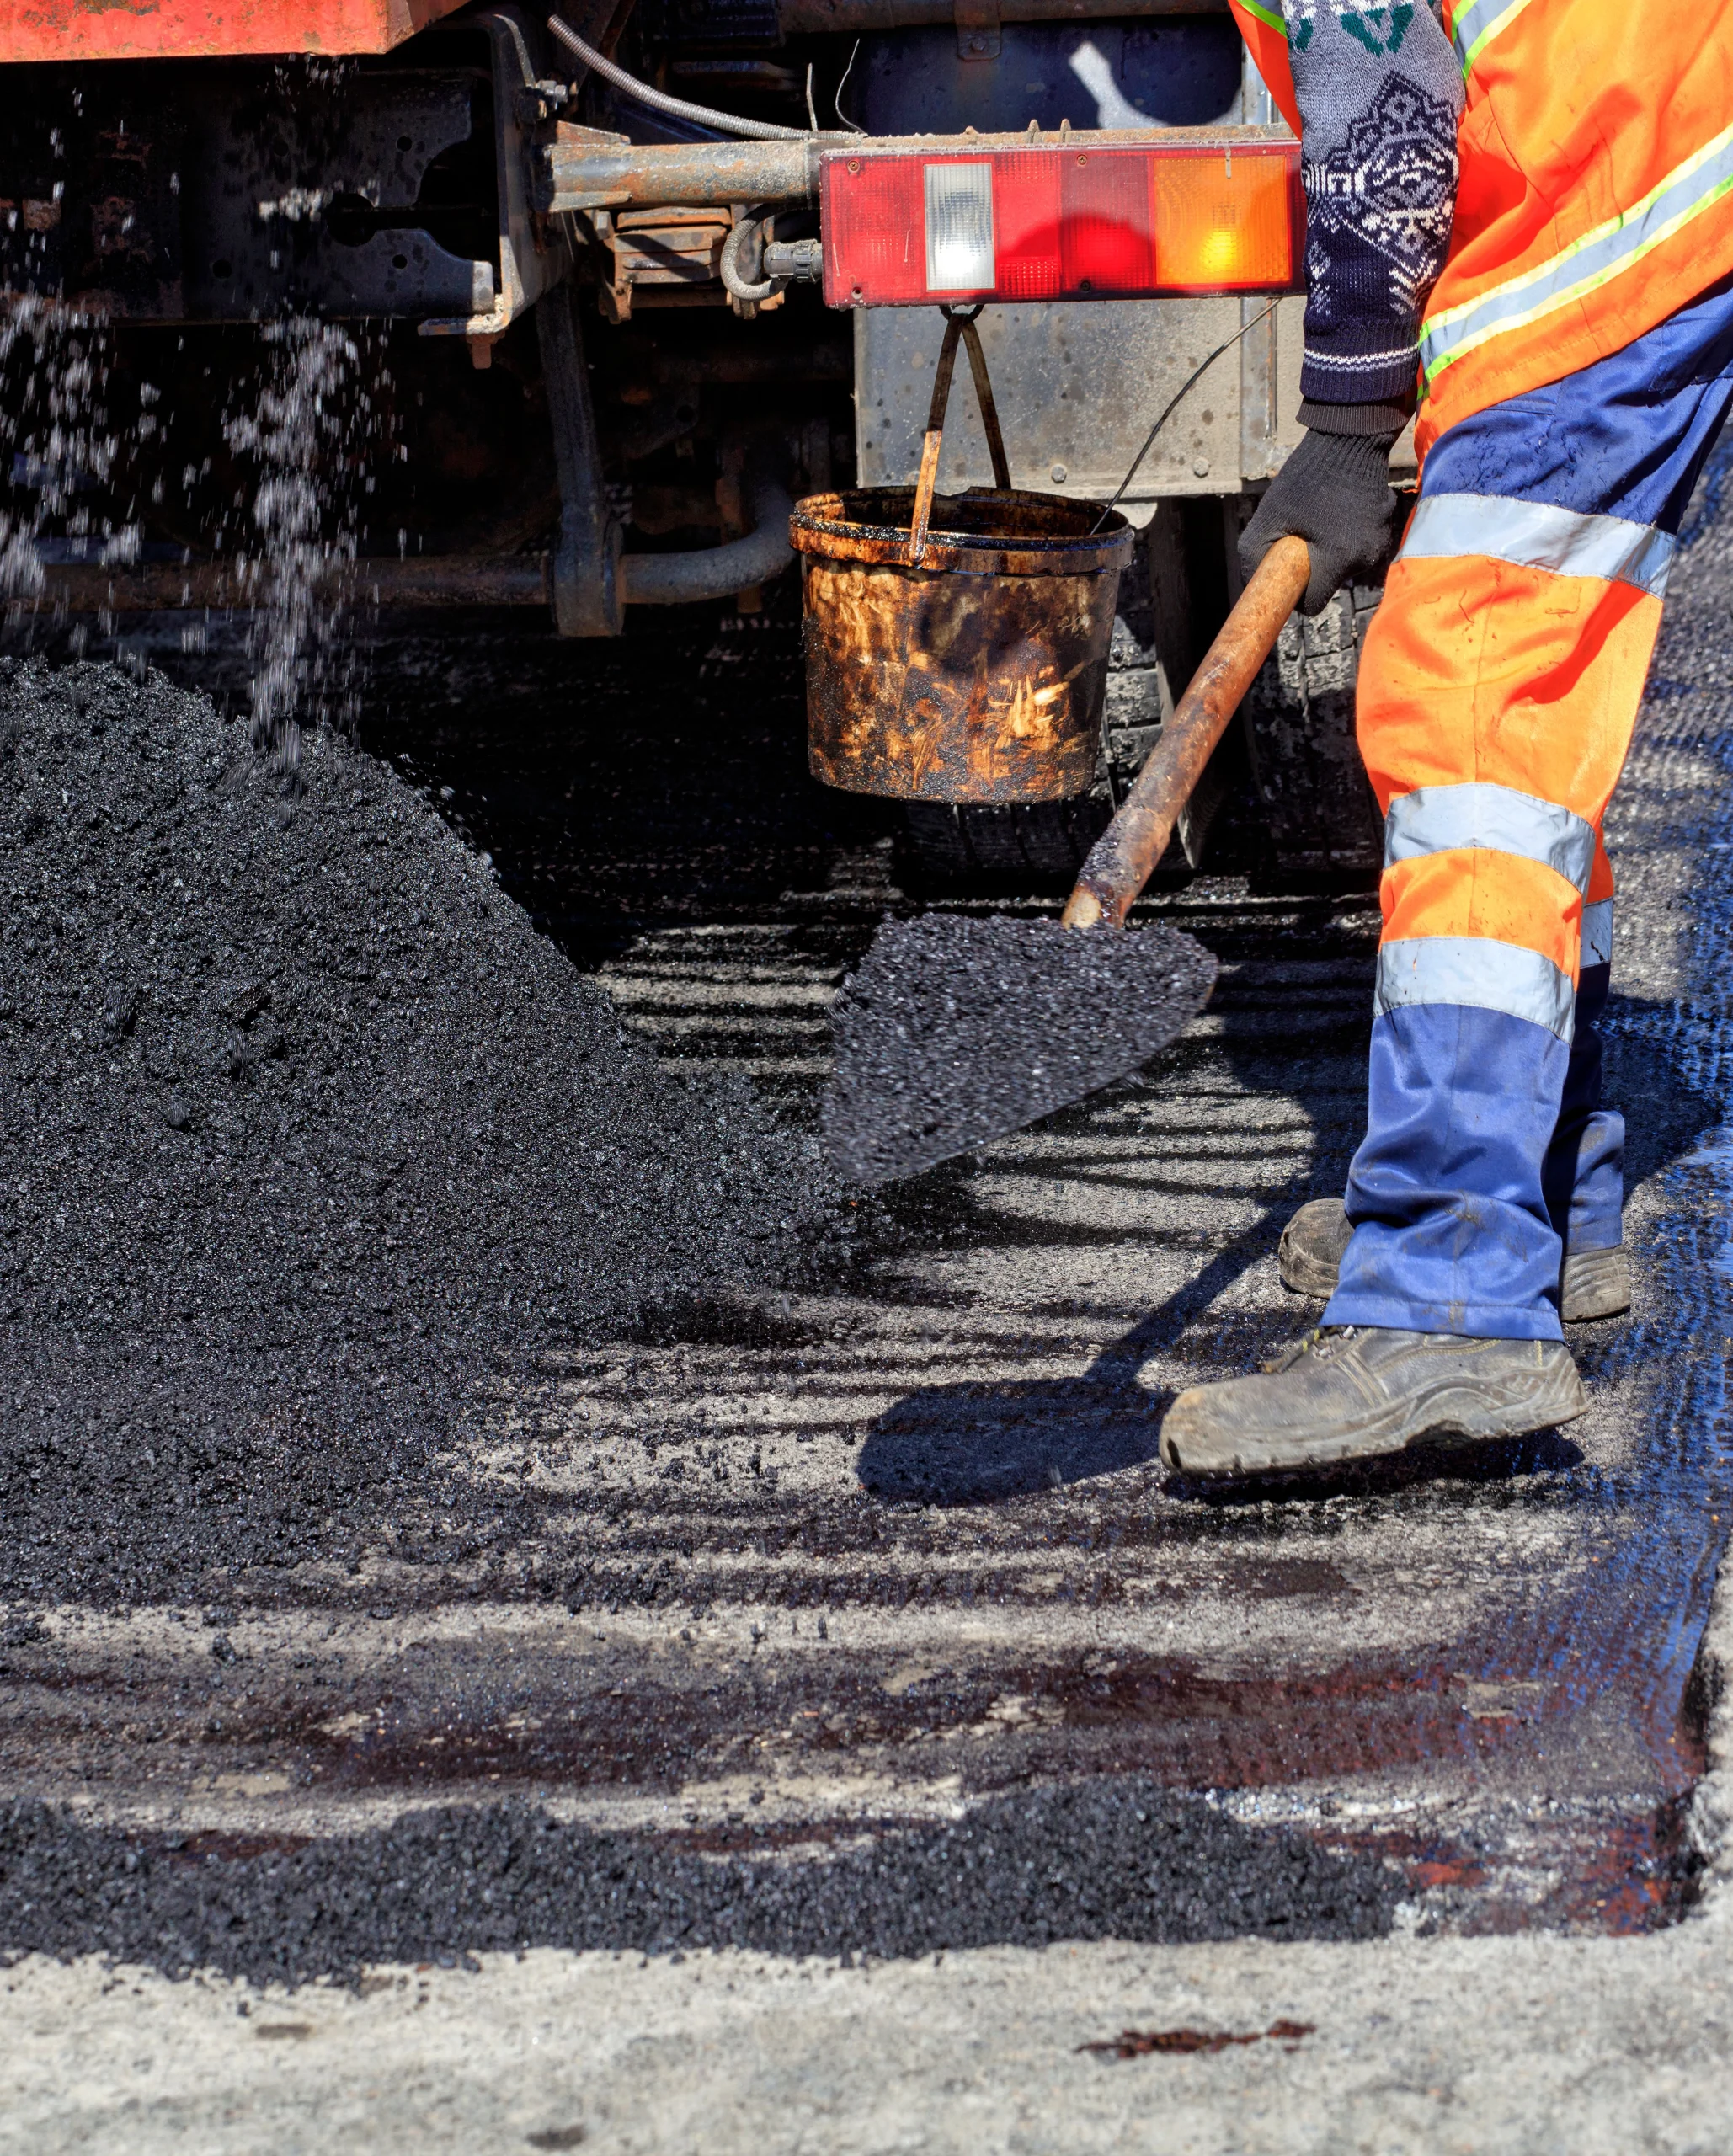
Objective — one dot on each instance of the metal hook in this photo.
(959, 323)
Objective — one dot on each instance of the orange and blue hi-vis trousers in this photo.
(1498, 687)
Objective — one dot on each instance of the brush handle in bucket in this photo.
(959, 323)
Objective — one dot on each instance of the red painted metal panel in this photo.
(186, 29)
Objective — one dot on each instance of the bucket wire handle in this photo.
(959, 323)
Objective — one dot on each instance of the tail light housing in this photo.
(1060, 219)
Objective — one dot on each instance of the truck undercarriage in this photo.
(401, 310)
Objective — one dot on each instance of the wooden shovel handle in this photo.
(1124, 857)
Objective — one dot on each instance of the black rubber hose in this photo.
(756, 131)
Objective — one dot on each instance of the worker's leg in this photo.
(1583, 1178)
(1500, 685)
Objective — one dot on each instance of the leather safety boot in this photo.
(1353, 1392)
(1592, 1282)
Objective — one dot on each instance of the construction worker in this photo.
(1522, 213)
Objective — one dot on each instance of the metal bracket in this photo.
(977, 28)
(665, 256)
(587, 598)
(532, 257)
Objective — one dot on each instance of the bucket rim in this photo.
(815, 529)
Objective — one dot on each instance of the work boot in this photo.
(1592, 1282)
(1352, 1391)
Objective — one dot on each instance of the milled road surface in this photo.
(841, 1583)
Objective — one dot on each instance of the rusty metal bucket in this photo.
(957, 644)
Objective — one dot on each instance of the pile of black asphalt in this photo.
(305, 1137)
(954, 1029)
(1117, 1859)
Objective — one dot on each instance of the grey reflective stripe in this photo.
(1587, 264)
(1476, 971)
(1597, 933)
(1536, 535)
(1439, 819)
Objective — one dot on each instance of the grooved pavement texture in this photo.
(1599, 1565)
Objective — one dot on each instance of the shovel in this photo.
(956, 1029)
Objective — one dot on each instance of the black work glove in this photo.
(1334, 492)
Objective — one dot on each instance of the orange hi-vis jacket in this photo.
(1596, 197)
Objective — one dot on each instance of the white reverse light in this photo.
(959, 227)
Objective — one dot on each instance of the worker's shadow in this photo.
(970, 1443)
(978, 1442)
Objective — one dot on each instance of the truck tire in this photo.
(1317, 804)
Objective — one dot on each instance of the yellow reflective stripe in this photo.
(1471, 27)
(1587, 262)
(1271, 17)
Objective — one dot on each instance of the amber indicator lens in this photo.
(1060, 220)
(1223, 224)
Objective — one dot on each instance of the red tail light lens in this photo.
(1026, 201)
(881, 219)
(1060, 220)
(1106, 227)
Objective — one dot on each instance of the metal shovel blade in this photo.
(955, 1030)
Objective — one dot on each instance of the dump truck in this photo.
(614, 286)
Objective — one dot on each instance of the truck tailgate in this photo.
(186, 29)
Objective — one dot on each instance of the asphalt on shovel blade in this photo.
(955, 1030)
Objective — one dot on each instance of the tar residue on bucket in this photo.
(303, 1132)
(977, 674)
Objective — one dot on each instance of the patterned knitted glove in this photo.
(1334, 492)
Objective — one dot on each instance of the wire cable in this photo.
(755, 131)
(852, 126)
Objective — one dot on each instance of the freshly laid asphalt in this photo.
(849, 1614)
(957, 1028)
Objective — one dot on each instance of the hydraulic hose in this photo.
(743, 241)
(713, 572)
(757, 130)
